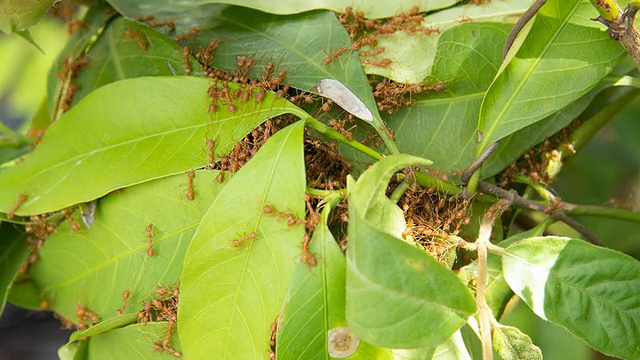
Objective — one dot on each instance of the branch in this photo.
(533, 205)
(620, 24)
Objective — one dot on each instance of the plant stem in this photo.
(326, 130)
(484, 312)
(608, 9)
(601, 211)
(401, 189)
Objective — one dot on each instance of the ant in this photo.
(74, 224)
(210, 147)
(138, 36)
(192, 32)
(334, 54)
(386, 62)
(190, 193)
(125, 297)
(307, 257)
(82, 314)
(186, 51)
(237, 242)
(21, 199)
(150, 250)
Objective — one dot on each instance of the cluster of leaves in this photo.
(180, 194)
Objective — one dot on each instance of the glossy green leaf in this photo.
(397, 295)
(131, 342)
(127, 49)
(14, 250)
(95, 21)
(513, 344)
(573, 58)
(516, 144)
(18, 15)
(441, 126)
(125, 133)
(413, 54)
(79, 267)
(588, 290)
(297, 44)
(104, 326)
(73, 351)
(231, 294)
(371, 9)
(316, 303)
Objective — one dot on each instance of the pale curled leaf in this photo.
(588, 290)
(341, 95)
(412, 54)
(513, 344)
(228, 300)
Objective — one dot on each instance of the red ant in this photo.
(307, 257)
(21, 199)
(190, 193)
(334, 54)
(237, 242)
(150, 250)
(139, 37)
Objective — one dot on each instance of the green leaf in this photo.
(231, 294)
(441, 126)
(371, 9)
(315, 303)
(79, 267)
(573, 58)
(397, 295)
(95, 21)
(20, 15)
(73, 351)
(131, 342)
(125, 133)
(513, 344)
(297, 44)
(588, 290)
(452, 349)
(413, 54)
(14, 250)
(104, 326)
(127, 49)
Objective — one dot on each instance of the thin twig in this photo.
(475, 164)
(484, 312)
(524, 19)
(533, 205)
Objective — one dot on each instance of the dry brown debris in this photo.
(432, 217)
(326, 168)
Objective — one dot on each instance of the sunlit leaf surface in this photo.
(125, 133)
(581, 287)
(241, 261)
